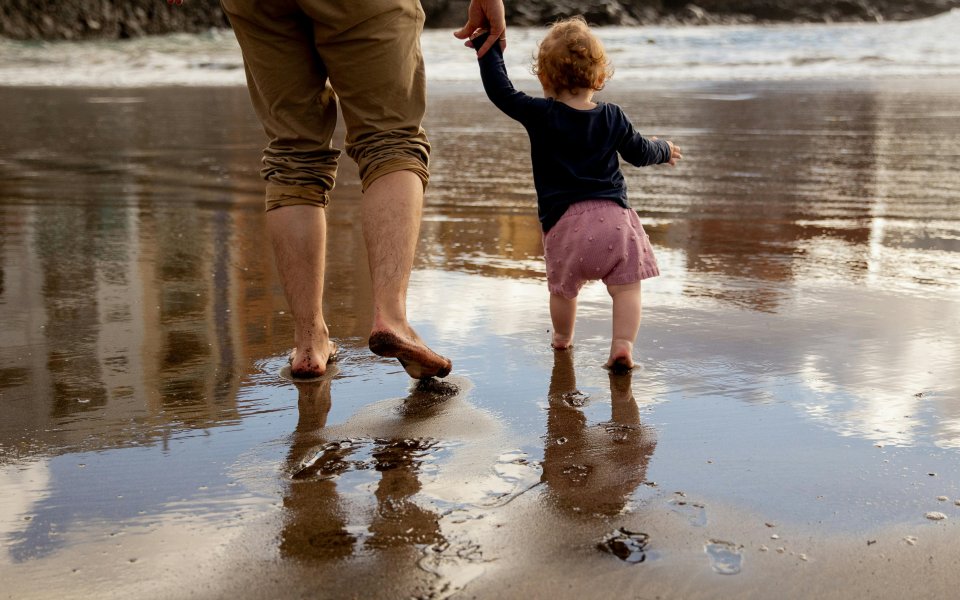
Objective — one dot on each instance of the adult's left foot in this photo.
(419, 361)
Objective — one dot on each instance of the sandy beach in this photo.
(792, 428)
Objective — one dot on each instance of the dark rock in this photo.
(79, 19)
(82, 19)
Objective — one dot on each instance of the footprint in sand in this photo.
(725, 557)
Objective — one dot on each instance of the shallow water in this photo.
(814, 51)
(799, 356)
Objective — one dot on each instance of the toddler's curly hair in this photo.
(571, 58)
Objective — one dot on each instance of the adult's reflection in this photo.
(593, 469)
(318, 520)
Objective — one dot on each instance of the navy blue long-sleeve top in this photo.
(574, 152)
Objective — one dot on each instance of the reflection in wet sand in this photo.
(800, 353)
(378, 487)
(593, 469)
(135, 285)
(317, 524)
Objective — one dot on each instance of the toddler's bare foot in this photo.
(310, 363)
(619, 366)
(621, 357)
(419, 361)
(561, 342)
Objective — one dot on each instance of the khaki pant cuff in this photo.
(278, 196)
(392, 166)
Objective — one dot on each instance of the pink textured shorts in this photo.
(597, 239)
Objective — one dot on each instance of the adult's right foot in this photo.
(419, 361)
(310, 363)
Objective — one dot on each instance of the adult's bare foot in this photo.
(309, 363)
(419, 361)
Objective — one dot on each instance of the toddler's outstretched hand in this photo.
(675, 154)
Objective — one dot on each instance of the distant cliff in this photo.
(84, 19)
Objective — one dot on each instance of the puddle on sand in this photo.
(382, 455)
(628, 546)
(138, 304)
(453, 564)
(575, 398)
(725, 557)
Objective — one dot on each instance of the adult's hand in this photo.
(489, 15)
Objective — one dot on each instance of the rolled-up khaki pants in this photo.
(301, 57)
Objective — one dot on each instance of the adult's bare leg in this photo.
(392, 206)
(299, 235)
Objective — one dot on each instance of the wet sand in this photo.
(793, 421)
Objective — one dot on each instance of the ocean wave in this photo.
(920, 48)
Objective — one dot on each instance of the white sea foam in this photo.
(922, 48)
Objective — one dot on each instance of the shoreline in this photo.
(887, 83)
(657, 55)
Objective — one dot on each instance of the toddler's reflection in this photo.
(593, 469)
(318, 519)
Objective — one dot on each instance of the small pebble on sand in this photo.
(942, 498)
(935, 516)
(774, 537)
(763, 548)
(911, 540)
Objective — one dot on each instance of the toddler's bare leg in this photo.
(563, 313)
(626, 325)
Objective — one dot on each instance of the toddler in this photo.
(589, 230)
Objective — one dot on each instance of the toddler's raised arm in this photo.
(514, 103)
